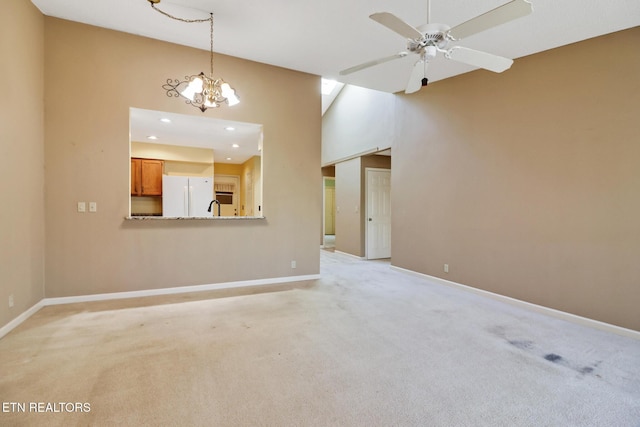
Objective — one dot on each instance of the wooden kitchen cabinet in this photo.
(146, 177)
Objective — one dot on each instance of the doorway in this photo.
(378, 213)
(329, 211)
(227, 192)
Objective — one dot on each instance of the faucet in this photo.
(216, 202)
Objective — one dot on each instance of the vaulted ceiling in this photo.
(324, 37)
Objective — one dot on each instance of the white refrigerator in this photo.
(186, 196)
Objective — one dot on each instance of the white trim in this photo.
(21, 318)
(150, 292)
(573, 318)
(373, 150)
(351, 156)
(177, 290)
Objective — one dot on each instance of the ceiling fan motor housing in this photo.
(434, 35)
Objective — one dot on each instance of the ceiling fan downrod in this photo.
(428, 11)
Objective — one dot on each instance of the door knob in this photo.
(369, 219)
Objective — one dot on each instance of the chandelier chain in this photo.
(182, 19)
(211, 45)
(190, 21)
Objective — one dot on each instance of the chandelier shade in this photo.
(200, 90)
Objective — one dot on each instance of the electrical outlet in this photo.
(11, 300)
(446, 268)
(293, 264)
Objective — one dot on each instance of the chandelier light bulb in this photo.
(226, 89)
(232, 100)
(194, 86)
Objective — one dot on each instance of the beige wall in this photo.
(87, 159)
(22, 156)
(527, 183)
(348, 207)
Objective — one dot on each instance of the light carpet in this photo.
(363, 346)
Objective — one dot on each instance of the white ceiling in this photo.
(198, 131)
(324, 37)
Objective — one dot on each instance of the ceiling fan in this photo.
(429, 39)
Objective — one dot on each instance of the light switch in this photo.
(82, 207)
(93, 207)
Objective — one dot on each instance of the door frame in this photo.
(366, 206)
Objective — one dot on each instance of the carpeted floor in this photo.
(363, 346)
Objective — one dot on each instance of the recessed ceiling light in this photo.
(228, 158)
(235, 146)
(152, 137)
(165, 120)
(230, 128)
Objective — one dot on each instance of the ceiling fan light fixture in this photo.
(200, 90)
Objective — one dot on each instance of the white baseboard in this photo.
(150, 292)
(585, 321)
(178, 290)
(21, 318)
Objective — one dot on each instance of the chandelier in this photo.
(200, 90)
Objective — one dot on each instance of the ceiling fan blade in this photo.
(396, 25)
(415, 80)
(372, 63)
(500, 15)
(485, 60)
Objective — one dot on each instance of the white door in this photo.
(378, 194)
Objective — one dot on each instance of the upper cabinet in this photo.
(146, 177)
